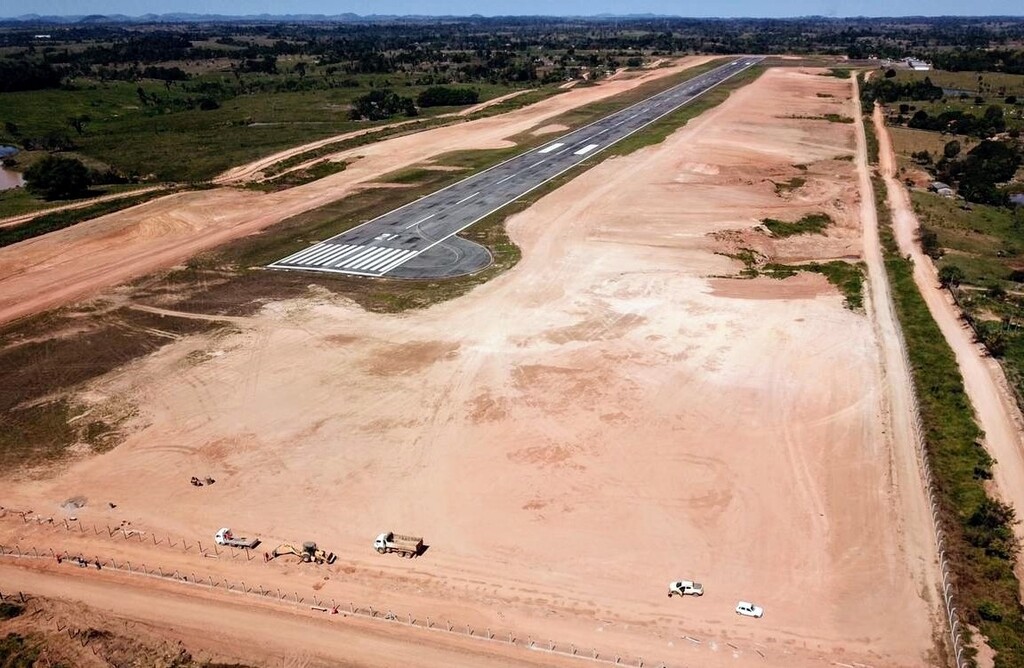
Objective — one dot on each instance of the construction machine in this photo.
(309, 552)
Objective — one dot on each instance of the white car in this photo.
(748, 609)
(684, 588)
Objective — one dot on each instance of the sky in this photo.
(722, 8)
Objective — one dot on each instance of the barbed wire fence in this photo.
(330, 607)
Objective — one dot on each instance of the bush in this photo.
(56, 177)
(951, 276)
(380, 104)
(443, 96)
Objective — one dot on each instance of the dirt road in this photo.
(984, 380)
(228, 629)
(12, 221)
(569, 437)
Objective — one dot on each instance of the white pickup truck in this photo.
(685, 588)
(225, 537)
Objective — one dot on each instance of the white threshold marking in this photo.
(466, 199)
(402, 260)
(385, 258)
(364, 259)
(324, 259)
(418, 222)
(339, 259)
(586, 149)
(551, 148)
(295, 257)
(325, 249)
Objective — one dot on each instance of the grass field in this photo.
(168, 143)
(907, 140)
(991, 84)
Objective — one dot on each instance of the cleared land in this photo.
(573, 435)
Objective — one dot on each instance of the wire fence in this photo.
(331, 607)
(948, 592)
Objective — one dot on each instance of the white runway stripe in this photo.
(551, 148)
(295, 257)
(586, 149)
(384, 259)
(324, 259)
(408, 256)
(365, 258)
(344, 257)
(321, 251)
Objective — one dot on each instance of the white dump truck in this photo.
(685, 588)
(225, 537)
(407, 546)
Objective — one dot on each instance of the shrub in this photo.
(56, 177)
(443, 96)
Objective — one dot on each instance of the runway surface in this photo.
(418, 240)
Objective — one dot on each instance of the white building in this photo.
(918, 65)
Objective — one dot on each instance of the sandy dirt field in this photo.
(60, 267)
(568, 438)
(984, 381)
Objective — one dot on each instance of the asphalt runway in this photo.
(418, 240)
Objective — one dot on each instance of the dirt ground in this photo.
(607, 416)
(63, 266)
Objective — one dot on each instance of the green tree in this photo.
(56, 177)
(950, 276)
(951, 150)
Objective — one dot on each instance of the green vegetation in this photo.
(980, 543)
(812, 223)
(792, 184)
(381, 104)
(870, 137)
(10, 610)
(17, 651)
(847, 277)
(837, 118)
(58, 220)
(444, 96)
(298, 177)
(57, 177)
(839, 72)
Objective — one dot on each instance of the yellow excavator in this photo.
(309, 552)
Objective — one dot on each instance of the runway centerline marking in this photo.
(466, 199)
(508, 177)
(421, 220)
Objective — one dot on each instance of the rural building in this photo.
(937, 186)
(918, 65)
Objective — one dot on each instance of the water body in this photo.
(8, 177)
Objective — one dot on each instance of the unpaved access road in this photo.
(69, 264)
(984, 381)
(605, 417)
(232, 629)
